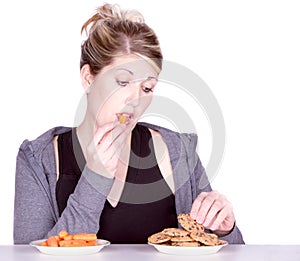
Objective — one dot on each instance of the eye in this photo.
(149, 84)
(122, 83)
(147, 89)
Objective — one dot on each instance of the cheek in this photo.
(149, 100)
(145, 102)
(111, 106)
(106, 94)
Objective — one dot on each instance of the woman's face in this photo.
(124, 87)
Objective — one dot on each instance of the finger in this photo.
(120, 133)
(110, 150)
(110, 165)
(114, 141)
(101, 131)
(98, 151)
(98, 135)
(196, 205)
(108, 160)
(205, 207)
(216, 207)
(111, 154)
(109, 137)
(220, 218)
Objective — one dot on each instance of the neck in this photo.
(85, 133)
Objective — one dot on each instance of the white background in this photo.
(246, 51)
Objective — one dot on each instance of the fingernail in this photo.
(200, 219)
(213, 228)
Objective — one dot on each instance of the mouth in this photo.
(124, 117)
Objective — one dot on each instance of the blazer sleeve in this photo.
(34, 211)
(85, 205)
(200, 183)
(33, 214)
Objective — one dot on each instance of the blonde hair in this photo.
(111, 32)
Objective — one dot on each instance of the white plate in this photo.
(69, 251)
(188, 251)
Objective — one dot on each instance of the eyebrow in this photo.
(152, 78)
(125, 70)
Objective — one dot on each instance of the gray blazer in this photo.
(35, 207)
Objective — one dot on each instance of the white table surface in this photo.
(146, 252)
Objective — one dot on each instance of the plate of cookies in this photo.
(65, 244)
(191, 239)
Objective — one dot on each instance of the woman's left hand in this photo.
(213, 211)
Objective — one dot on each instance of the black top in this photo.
(147, 204)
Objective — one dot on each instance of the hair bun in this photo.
(113, 31)
(114, 12)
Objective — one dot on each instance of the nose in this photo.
(134, 94)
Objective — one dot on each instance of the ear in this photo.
(86, 77)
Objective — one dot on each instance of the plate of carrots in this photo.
(66, 244)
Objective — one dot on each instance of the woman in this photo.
(111, 175)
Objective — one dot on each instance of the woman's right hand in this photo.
(104, 151)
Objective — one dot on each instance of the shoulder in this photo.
(175, 141)
(43, 141)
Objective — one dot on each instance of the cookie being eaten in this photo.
(123, 118)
